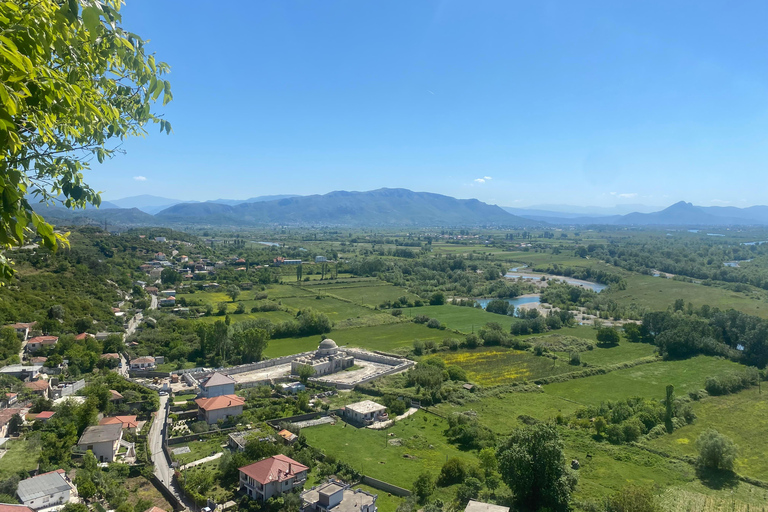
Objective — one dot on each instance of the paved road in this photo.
(153, 304)
(155, 442)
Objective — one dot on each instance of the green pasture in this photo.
(20, 455)
(199, 449)
(369, 293)
(646, 380)
(742, 416)
(424, 448)
(604, 356)
(461, 318)
(335, 309)
(387, 337)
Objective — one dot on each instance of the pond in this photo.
(517, 301)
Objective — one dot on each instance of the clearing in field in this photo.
(646, 380)
(742, 416)
(492, 366)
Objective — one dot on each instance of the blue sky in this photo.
(514, 103)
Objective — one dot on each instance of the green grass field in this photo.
(655, 293)
(646, 380)
(500, 413)
(492, 366)
(335, 309)
(461, 318)
(371, 293)
(21, 455)
(388, 337)
(743, 417)
(424, 448)
(272, 316)
(384, 501)
(603, 356)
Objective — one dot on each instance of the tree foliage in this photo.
(716, 451)
(73, 84)
(532, 464)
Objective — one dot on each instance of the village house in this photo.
(219, 408)
(23, 329)
(167, 301)
(292, 387)
(5, 418)
(115, 396)
(217, 384)
(128, 423)
(38, 342)
(143, 363)
(22, 372)
(8, 507)
(365, 412)
(152, 290)
(46, 490)
(335, 496)
(44, 416)
(39, 387)
(102, 440)
(272, 477)
(11, 398)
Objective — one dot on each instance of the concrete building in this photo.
(479, 506)
(321, 259)
(335, 496)
(46, 490)
(219, 408)
(22, 372)
(293, 387)
(22, 329)
(365, 412)
(326, 359)
(217, 385)
(103, 441)
(272, 477)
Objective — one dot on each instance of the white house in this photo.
(365, 412)
(102, 440)
(217, 385)
(334, 496)
(143, 363)
(46, 490)
(219, 408)
(38, 342)
(272, 477)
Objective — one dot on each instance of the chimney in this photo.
(290, 470)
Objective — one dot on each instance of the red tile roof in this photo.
(6, 507)
(277, 468)
(115, 395)
(219, 402)
(7, 414)
(37, 385)
(84, 335)
(45, 415)
(126, 421)
(110, 355)
(44, 340)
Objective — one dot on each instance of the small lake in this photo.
(517, 301)
(518, 269)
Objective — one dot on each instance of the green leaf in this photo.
(92, 22)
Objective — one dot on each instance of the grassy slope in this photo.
(648, 380)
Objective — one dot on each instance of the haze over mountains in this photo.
(396, 207)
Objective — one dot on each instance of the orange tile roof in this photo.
(277, 468)
(219, 402)
(37, 385)
(126, 421)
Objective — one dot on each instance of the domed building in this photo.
(326, 359)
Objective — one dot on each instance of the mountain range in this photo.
(392, 207)
(382, 207)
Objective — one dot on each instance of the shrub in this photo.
(608, 336)
(497, 306)
(434, 323)
(472, 341)
(575, 359)
(452, 472)
(716, 451)
(614, 433)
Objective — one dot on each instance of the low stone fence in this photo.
(147, 374)
(384, 486)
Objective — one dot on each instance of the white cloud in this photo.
(628, 196)
(140, 178)
(487, 178)
(480, 180)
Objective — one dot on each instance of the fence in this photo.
(384, 486)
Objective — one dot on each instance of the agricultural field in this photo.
(334, 309)
(604, 356)
(493, 366)
(376, 453)
(370, 293)
(386, 337)
(461, 318)
(500, 412)
(729, 415)
(646, 380)
(272, 316)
